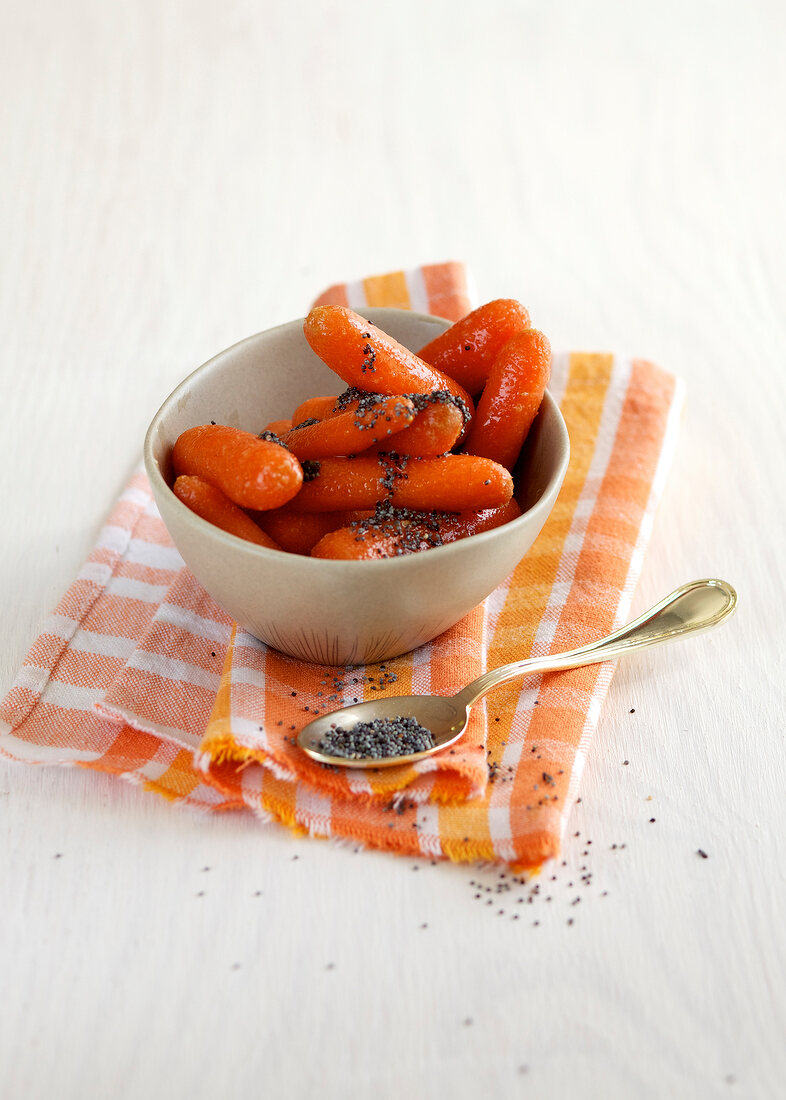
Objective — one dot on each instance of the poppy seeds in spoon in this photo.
(382, 737)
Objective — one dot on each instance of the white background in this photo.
(177, 175)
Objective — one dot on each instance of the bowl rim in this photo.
(264, 553)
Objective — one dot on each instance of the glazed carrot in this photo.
(399, 533)
(298, 532)
(348, 433)
(277, 427)
(356, 544)
(448, 483)
(355, 515)
(314, 408)
(368, 358)
(510, 399)
(435, 429)
(211, 504)
(445, 483)
(466, 350)
(472, 523)
(253, 473)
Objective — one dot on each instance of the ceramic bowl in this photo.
(336, 612)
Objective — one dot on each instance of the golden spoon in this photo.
(689, 609)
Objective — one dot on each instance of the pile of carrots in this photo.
(401, 461)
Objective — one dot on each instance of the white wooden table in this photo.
(178, 175)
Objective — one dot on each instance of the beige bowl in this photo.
(336, 612)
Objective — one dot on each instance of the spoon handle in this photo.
(691, 608)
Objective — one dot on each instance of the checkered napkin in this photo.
(139, 673)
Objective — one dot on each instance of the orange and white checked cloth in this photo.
(139, 673)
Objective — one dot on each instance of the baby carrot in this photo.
(435, 429)
(355, 515)
(314, 408)
(368, 358)
(211, 504)
(347, 433)
(465, 524)
(356, 543)
(510, 399)
(396, 532)
(438, 425)
(445, 483)
(449, 483)
(276, 427)
(252, 472)
(298, 532)
(466, 350)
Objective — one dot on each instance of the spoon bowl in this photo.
(690, 609)
(443, 715)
